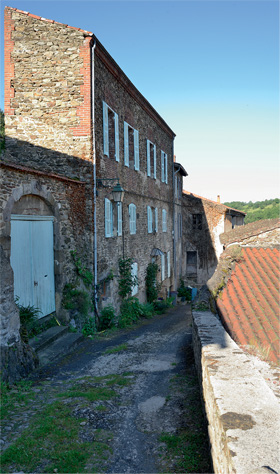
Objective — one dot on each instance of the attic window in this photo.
(197, 221)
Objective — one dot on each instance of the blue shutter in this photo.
(148, 159)
(132, 218)
(119, 218)
(165, 163)
(156, 219)
(162, 267)
(108, 218)
(117, 143)
(164, 227)
(105, 130)
(162, 167)
(155, 162)
(126, 147)
(168, 265)
(136, 150)
(150, 219)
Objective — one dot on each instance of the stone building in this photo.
(75, 128)
(203, 222)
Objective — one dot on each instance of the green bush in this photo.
(160, 306)
(132, 310)
(184, 292)
(89, 328)
(107, 318)
(76, 299)
(28, 316)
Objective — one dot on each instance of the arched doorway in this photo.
(32, 254)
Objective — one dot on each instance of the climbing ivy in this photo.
(152, 285)
(126, 280)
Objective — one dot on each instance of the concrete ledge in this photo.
(242, 411)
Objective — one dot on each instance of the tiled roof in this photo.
(254, 228)
(249, 303)
(188, 193)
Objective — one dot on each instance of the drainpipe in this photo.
(94, 177)
(174, 233)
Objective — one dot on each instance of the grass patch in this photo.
(113, 350)
(50, 442)
(12, 395)
(92, 394)
(119, 380)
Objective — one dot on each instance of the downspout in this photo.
(94, 178)
(174, 233)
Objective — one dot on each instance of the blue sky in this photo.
(210, 68)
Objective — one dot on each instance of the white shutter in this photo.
(168, 265)
(162, 167)
(108, 213)
(105, 130)
(162, 267)
(148, 159)
(119, 218)
(117, 142)
(150, 219)
(155, 162)
(134, 273)
(132, 218)
(166, 174)
(156, 219)
(136, 150)
(126, 147)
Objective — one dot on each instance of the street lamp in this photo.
(117, 191)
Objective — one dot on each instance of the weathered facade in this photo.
(75, 125)
(203, 222)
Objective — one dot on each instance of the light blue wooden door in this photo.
(32, 261)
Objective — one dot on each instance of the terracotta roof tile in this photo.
(249, 303)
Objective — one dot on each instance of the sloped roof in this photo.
(222, 206)
(253, 228)
(249, 303)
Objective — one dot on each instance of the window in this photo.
(197, 221)
(132, 218)
(164, 219)
(134, 273)
(168, 265)
(113, 218)
(131, 147)
(150, 219)
(156, 219)
(151, 159)
(119, 227)
(110, 133)
(108, 218)
(162, 267)
(163, 167)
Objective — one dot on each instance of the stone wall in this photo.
(140, 189)
(242, 411)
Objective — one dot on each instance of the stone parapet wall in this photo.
(242, 411)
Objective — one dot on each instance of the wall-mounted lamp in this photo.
(117, 191)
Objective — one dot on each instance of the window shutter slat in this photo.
(155, 162)
(148, 159)
(117, 142)
(126, 148)
(105, 130)
(136, 150)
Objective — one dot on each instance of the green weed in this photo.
(113, 350)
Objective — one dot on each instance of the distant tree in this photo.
(259, 210)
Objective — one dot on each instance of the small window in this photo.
(164, 220)
(151, 159)
(164, 171)
(108, 218)
(168, 265)
(163, 267)
(110, 132)
(132, 218)
(131, 147)
(197, 221)
(134, 273)
(150, 219)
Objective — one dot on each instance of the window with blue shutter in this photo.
(148, 158)
(119, 207)
(150, 219)
(131, 147)
(108, 218)
(164, 172)
(164, 219)
(168, 265)
(132, 218)
(155, 162)
(136, 150)
(165, 166)
(156, 219)
(162, 267)
(110, 132)
(126, 147)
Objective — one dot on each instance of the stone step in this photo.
(47, 337)
(64, 345)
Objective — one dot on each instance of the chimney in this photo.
(218, 199)
(174, 158)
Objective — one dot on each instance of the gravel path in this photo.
(156, 360)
